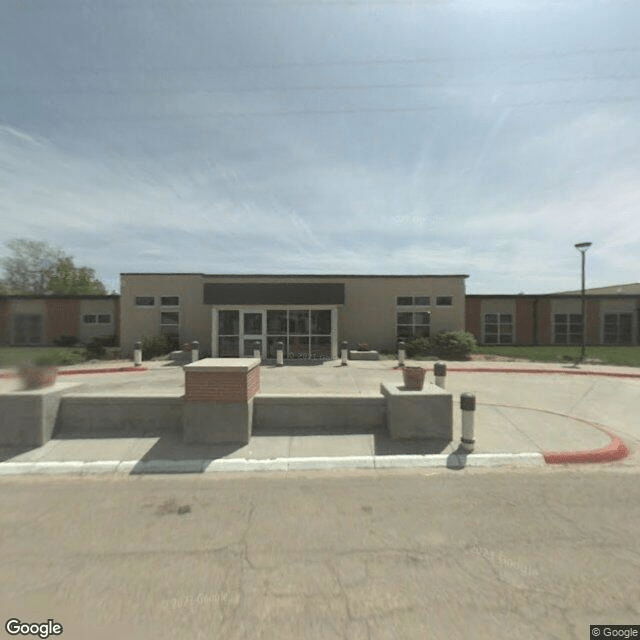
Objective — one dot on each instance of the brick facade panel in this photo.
(222, 386)
(472, 317)
(524, 322)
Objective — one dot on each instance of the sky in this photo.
(326, 137)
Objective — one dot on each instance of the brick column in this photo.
(219, 399)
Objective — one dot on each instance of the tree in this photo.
(35, 268)
(68, 279)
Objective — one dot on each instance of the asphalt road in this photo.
(358, 555)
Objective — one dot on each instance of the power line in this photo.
(285, 89)
(350, 111)
(371, 62)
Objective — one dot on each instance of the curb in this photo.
(140, 467)
(610, 374)
(617, 450)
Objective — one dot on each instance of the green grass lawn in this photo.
(628, 356)
(13, 356)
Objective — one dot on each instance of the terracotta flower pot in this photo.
(38, 376)
(413, 378)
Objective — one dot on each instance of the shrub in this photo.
(159, 346)
(107, 341)
(96, 350)
(363, 346)
(453, 345)
(65, 341)
(418, 347)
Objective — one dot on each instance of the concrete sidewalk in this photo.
(521, 418)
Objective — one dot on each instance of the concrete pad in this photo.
(331, 446)
(93, 449)
(264, 447)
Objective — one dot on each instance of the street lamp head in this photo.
(582, 246)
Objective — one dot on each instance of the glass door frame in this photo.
(254, 337)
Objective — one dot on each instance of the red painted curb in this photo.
(552, 371)
(547, 371)
(82, 372)
(617, 450)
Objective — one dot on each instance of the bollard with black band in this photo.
(195, 351)
(344, 352)
(137, 354)
(279, 354)
(401, 353)
(440, 373)
(257, 349)
(468, 407)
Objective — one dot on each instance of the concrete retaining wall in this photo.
(27, 418)
(99, 415)
(354, 413)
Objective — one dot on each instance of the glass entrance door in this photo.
(252, 332)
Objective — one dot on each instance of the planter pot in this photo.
(37, 377)
(413, 378)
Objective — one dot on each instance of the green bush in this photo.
(159, 346)
(65, 341)
(453, 345)
(418, 347)
(96, 350)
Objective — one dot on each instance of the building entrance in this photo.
(305, 333)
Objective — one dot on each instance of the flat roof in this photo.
(549, 295)
(24, 296)
(300, 275)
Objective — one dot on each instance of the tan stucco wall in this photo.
(368, 315)
(89, 331)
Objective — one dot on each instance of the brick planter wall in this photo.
(221, 386)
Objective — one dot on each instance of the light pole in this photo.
(582, 247)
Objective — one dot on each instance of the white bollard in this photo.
(468, 407)
(137, 354)
(257, 350)
(401, 353)
(195, 351)
(279, 354)
(440, 373)
(344, 353)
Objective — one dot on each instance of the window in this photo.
(498, 328)
(444, 301)
(304, 333)
(617, 328)
(413, 301)
(413, 325)
(89, 318)
(169, 318)
(567, 328)
(145, 301)
(170, 301)
(104, 318)
(27, 329)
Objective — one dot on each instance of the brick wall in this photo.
(5, 319)
(524, 321)
(62, 319)
(472, 317)
(544, 321)
(593, 321)
(221, 386)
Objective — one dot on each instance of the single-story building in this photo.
(310, 314)
(613, 317)
(33, 320)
